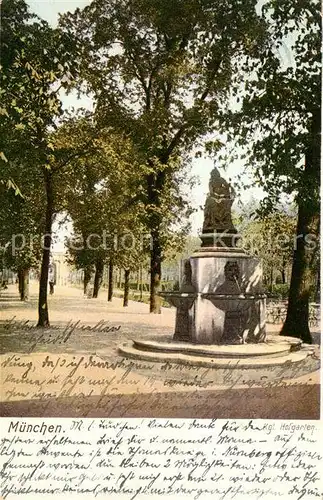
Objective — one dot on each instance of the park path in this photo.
(69, 303)
(137, 389)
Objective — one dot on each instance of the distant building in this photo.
(63, 270)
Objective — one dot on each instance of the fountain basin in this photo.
(183, 301)
(233, 302)
(179, 299)
(240, 317)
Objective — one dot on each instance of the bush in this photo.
(279, 292)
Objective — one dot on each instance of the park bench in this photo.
(276, 312)
(314, 314)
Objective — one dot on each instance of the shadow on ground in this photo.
(298, 402)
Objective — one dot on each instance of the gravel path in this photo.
(85, 328)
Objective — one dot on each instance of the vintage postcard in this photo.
(160, 249)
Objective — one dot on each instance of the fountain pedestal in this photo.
(184, 324)
(220, 318)
(226, 304)
(220, 307)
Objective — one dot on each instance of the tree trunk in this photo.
(110, 285)
(141, 283)
(126, 287)
(23, 280)
(43, 318)
(87, 278)
(271, 280)
(296, 323)
(318, 286)
(155, 273)
(99, 267)
(303, 272)
(20, 282)
(155, 187)
(138, 280)
(283, 275)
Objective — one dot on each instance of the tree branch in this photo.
(174, 142)
(210, 80)
(78, 154)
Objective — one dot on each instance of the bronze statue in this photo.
(217, 210)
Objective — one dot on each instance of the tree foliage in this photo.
(35, 65)
(279, 125)
(159, 71)
(281, 100)
(35, 62)
(100, 199)
(272, 238)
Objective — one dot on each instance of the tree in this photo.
(80, 257)
(132, 250)
(21, 221)
(99, 199)
(280, 120)
(271, 237)
(110, 281)
(35, 65)
(81, 196)
(126, 287)
(158, 71)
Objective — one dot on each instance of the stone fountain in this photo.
(221, 299)
(220, 306)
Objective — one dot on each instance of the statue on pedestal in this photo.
(217, 210)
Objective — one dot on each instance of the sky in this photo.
(201, 167)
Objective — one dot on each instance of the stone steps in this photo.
(273, 352)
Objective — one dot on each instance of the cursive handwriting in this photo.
(87, 385)
(53, 335)
(100, 326)
(137, 459)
